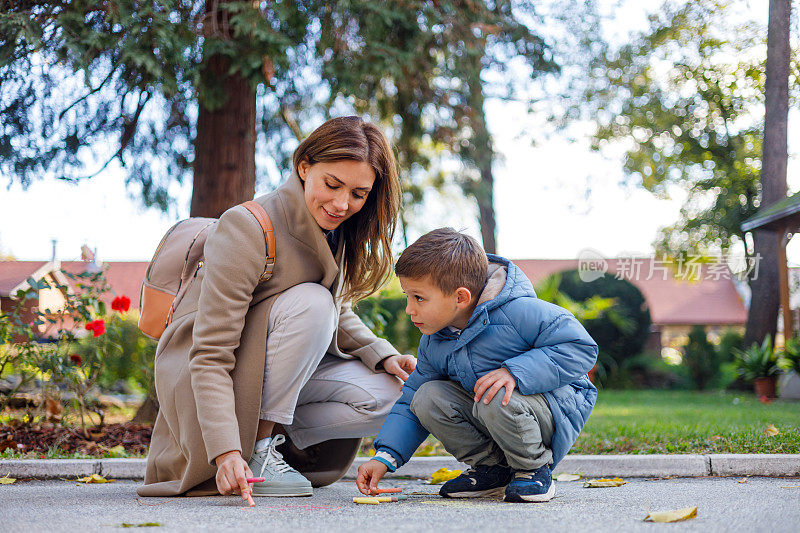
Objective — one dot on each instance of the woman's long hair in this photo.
(367, 234)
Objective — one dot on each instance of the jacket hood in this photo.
(504, 282)
(498, 290)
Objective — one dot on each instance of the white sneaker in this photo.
(280, 478)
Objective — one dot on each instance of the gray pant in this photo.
(518, 434)
(318, 396)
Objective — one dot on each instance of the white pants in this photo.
(314, 395)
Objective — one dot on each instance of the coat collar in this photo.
(304, 228)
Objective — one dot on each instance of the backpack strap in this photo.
(269, 236)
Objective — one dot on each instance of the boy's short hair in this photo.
(450, 258)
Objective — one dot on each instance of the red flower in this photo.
(121, 303)
(97, 327)
(766, 399)
(75, 358)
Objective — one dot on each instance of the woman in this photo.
(244, 360)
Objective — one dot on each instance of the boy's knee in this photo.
(493, 410)
(427, 395)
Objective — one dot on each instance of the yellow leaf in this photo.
(672, 516)
(597, 483)
(443, 474)
(5, 480)
(425, 451)
(117, 451)
(743, 480)
(94, 478)
(371, 452)
(567, 477)
(771, 431)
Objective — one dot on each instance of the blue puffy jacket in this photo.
(543, 346)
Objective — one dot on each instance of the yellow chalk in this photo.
(371, 501)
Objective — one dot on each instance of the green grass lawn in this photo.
(643, 422)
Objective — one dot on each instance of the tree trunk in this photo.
(147, 412)
(482, 156)
(224, 164)
(764, 302)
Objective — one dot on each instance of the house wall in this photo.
(52, 298)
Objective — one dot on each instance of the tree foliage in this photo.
(685, 99)
(422, 68)
(83, 84)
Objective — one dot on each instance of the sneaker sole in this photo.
(499, 491)
(523, 498)
(288, 491)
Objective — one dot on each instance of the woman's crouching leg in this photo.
(301, 325)
(342, 402)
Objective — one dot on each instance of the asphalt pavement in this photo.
(724, 504)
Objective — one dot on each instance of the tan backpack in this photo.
(175, 264)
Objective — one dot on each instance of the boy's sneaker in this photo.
(531, 486)
(280, 478)
(477, 482)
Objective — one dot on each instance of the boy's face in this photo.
(431, 309)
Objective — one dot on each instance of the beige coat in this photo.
(209, 363)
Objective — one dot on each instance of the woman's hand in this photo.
(369, 474)
(232, 474)
(400, 365)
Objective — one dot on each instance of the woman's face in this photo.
(335, 191)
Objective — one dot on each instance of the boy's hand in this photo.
(369, 474)
(494, 381)
(400, 365)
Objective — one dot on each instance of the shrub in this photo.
(131, 359)
(620, 334)
(701, 359)
(643, 371)
(757, 361)
(86, 340)
(385, 315)
(729, 343)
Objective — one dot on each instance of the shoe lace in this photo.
(274, 458)
(523, 475)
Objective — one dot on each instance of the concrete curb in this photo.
(422, 467)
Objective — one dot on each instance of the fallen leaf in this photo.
(672, 516)
(5, 480)
(94, 478)
(443, 474)
(117, 451)
(771, 431)
(743, 480)
(598, 483)
(567, 477)
(8, 443)
(143, 524)
(53, 409)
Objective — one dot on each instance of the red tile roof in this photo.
(712, 300)
(12, 273)
(124, 277)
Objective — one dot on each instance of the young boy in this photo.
(500, 377)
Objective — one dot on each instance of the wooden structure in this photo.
(783, 218)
